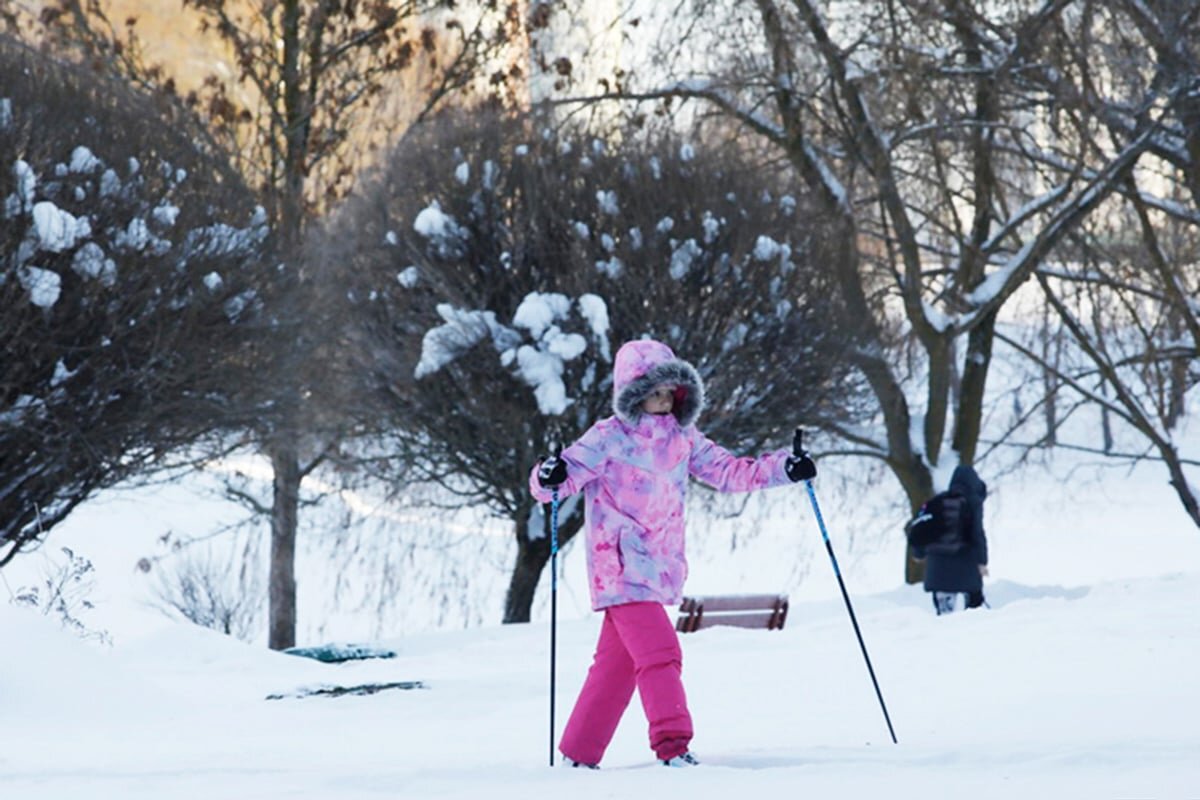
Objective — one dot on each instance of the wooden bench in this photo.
(739, 610)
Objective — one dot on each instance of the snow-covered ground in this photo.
(1078, 682)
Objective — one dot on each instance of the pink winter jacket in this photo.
(633, 469)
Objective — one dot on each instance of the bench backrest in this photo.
(739, 610)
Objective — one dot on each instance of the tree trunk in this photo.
(285, 461)
(969, 419)
(1052, 347)
(1176, 393)
(1106, 436)
(532, 554)
(284, 515)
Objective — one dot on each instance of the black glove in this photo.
(799, 466)
(552, 472)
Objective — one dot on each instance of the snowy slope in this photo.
(1078, 682)
(1071, 692)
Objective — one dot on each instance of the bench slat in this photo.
(744, 611)
(736, 602)
(744, 619)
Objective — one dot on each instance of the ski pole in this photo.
(553, 606)
(845, 596)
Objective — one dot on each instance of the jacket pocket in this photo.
(638, 566)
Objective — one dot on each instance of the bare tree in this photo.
(1122, 294)
(305, 75)
(496, 264)
(129, 290)
(940, 141)
(1123, 285)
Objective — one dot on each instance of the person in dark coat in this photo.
(949, 576)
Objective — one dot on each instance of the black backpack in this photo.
(940, 526)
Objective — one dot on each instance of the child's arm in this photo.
(726, 472)
(585, 462)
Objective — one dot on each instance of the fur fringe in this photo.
(628, 404)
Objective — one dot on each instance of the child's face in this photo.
(661, 400)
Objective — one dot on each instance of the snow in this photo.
(539, 310)
(540, 364)
(433, 223)
(110, 184)
(735, 337)
(18, 409)
(26, 180)
(543, 371)
(490, 173)
(136, 235)
(44, 286)
(408, 277)
(84, 161)
(595, 311)
(462, 329)
(834, 186)
(566, 346)
(221, 239)
(934, 316)
(61, 374)
(682, 258)
(166, 214)
(1078, 682)
(58, 230)
(235, 306)
(607, 202)
(765, 248)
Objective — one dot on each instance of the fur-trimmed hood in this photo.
(643, 364)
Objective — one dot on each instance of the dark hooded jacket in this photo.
(960, 572)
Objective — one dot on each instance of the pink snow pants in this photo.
(638, 648)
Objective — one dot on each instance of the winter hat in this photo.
(642, 365)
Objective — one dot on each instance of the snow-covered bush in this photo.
(129, 288)
(494, 267)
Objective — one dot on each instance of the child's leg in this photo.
(653, 644)
(602, 700)
(945, 602)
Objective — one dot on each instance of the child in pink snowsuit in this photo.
(634, 468)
